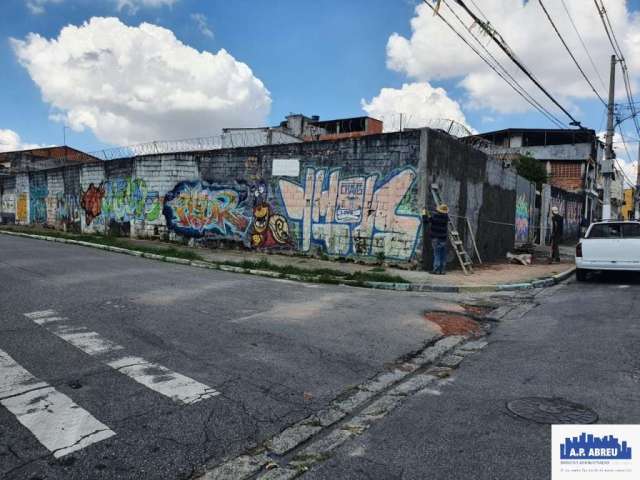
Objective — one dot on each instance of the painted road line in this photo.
(40, 314)
(54, 419)
(176, 386)
(173, 385)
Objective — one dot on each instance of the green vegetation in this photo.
(111, 241)
(531, 169)
(321, 275)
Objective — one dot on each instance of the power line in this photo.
(520, 89)
(608, 28)
(625, 75)
(547, 114)
(501, 43)
(478, 8)
(593, 64)
(532, 102)
(544, 9)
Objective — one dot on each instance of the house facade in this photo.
(571, 157)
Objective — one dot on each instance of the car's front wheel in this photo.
(581, 275)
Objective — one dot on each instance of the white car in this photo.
(609, 245)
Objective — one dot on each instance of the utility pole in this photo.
(607, 165)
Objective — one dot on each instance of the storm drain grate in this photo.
(551, 410)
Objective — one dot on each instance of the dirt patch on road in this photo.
(454, 324)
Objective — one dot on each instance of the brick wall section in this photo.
(22, 199)
(7, 200)
(161, 174)
(91, 175)
(55, 188)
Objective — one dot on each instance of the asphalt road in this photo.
(114, 366)
(580, 342)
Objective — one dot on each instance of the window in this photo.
(605, 230)
(631, 230)
(565, 170)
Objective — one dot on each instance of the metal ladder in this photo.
(454, 236)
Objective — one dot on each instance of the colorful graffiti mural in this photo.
(120, 200)
(268, 228)
(129, 199)
(522, 219)
(357, 215)
(22, 208)
(67, 208)
(198, 209)
(91, 202)
(8, 204)
(38, 192)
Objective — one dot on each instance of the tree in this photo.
(531, 169)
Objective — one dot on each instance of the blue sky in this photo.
(315, 57)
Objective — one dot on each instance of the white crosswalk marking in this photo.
(54, 419)
(176, 386)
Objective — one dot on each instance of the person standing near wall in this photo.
(439, 233)
(557, 227)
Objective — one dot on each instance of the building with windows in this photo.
(572, 158)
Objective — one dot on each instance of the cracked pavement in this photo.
(277, 351)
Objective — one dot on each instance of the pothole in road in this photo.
(551, 410)
(454, 323)
(75, 384)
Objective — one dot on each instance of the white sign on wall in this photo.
(285, 167)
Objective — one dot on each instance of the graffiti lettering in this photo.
(38, 192)
(197, 209)
(129, 199)
(358, 215)
(522, 219)
(67, 208)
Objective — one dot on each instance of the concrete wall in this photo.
(576, 151)
(478, 189)
(355, 198)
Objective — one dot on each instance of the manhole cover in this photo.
(551, 410)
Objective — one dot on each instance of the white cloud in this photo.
(419, 103)
(37, 7)
(10, 141)
(134, 5)
(201, 22)
(627, 157)
(137, 84)
(434, 52)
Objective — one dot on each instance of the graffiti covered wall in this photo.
(571, 208)
(353, 198)
(359, 215)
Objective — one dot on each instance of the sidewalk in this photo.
(496, 273)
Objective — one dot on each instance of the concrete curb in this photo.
(401, 287)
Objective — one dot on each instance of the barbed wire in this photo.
(247, 138)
